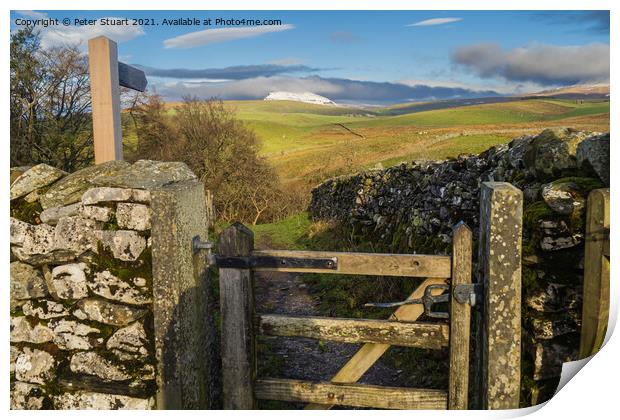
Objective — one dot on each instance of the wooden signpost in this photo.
(107, 75)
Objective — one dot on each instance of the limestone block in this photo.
(34, 366)
(129, 343)
(69, 281)
(133, 216)
(18, 231)
(106, 285)
(57, 256)
(554, 298)
(126, 245)
(72, 335)
(38, 176)
(27, 282)
(25, 396)
(148, 175)
(39, 239)
(112, 194)
(90, 363)
(84, 400)
(553, 152)
(52, 215)
(100, 214)
(105, 194)
(107, 313)
(23, 332)
(14, 353)
(69, 190)
(593, 153)
(552, 327)
(45, 309)
(76, 234)
(563, 197)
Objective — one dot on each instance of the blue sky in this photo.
(355, 56)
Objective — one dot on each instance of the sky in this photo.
(348, 56)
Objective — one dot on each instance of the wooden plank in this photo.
(131, 77)
(368, 354)
(105, 96)
(369, 396)
(401, 265)
(595, 312)
(237, 309)
(460, 318)
(396, 333)
(501, 214)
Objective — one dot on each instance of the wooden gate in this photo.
(446, 278)
(240, 325)
(595, 312)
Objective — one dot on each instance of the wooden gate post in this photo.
(501, 213)
(460, 318)
(237, 309)
(595, 312)
(106, 100)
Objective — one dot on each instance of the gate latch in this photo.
(469, 294)
(428, 300)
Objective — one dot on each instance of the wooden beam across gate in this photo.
(347, 330)
(369, 353)
(401, 265)
(353, 395)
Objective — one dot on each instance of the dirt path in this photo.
(307, 359)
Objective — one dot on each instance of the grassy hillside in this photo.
(308, 143)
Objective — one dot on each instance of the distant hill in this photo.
(600, 91)
(306, 97)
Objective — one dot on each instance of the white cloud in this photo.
(32, 14)
(79, 35)
(436, 21)
(213, 36)
(58, 36)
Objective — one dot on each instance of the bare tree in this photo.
(220, 150)
(50, 104)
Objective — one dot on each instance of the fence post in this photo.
(460, 318)
(595, 312)
(105, 97)
(237, 309)
(501, 212)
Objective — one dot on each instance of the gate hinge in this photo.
(469, 294)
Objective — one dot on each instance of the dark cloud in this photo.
(595, 21)
(231, 73)
(343, 90)
(543, 64)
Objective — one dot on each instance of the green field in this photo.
(308, 143)
(285, 126)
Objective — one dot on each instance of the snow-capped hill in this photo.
(307, 97)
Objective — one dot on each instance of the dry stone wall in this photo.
(82, 285)
(412, 208)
